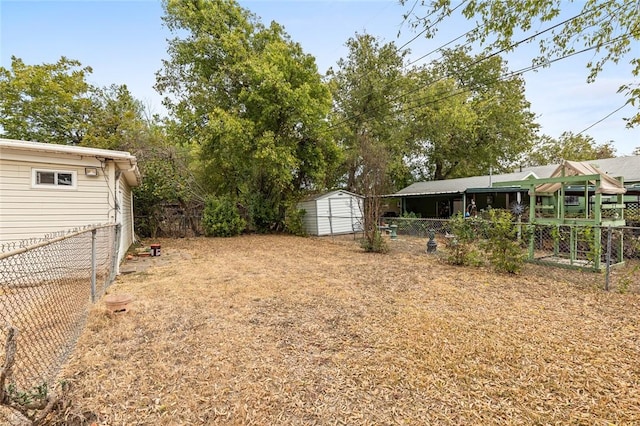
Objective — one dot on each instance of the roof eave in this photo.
(418, 194)
(65, 149)
(124, 160)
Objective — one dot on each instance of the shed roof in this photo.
(125, 161)
(320, 196)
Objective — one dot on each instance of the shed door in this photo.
(341, 219)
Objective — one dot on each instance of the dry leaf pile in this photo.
(269, 330)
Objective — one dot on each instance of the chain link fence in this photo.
(46, 289)
(612, 254)
(620, 258)
(417, 227)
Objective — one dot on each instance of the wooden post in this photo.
(597, 235)
(606, 281)
(586, 200)
(532, 221)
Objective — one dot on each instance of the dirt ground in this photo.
(281, 330)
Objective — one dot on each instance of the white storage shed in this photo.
(336, 212)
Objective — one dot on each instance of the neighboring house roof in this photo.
(455, 186)
(627, 167)
(124, 160)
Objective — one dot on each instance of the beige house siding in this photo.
(28, 211)
(126, 217)
(99, 192)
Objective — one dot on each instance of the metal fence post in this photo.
(93, 266)
(607, 275)
(117, 231)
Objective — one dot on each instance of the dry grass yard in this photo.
(278, 330)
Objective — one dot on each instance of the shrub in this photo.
(264, 213)
(505, 252)
(221, 218)
(461, 249)
(293, 222)
(377, 244)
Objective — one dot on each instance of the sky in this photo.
(124, 42)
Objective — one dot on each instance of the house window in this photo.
(571, 200)
(59, 179)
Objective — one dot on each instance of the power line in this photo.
(602, 119)
(510, 47)
(568, 55)
(513, 74)
(416, 37)
(484, 58)
(441, 47)
(473, 30)
(429, 27)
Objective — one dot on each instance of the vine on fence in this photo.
(462, 250)
(586, 237)
(505, 252)
(34, 404)
(495, 238)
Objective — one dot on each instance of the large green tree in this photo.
(45, 103)
(54, 103)
(366, 121)
(367, 87)
(467, 116)
(609, 30)
(249, 102)
(568, 146)
(117, 120)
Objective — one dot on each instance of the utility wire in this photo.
(475, 29)
(520, 72)
(510, 75)
(427, 28)
(441, 47)
(568, 55)
(602, 119)
(399, 49)
(484, 58)
(451, 94)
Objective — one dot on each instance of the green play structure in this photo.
(568, 212)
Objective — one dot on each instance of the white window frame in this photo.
(54, 185)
